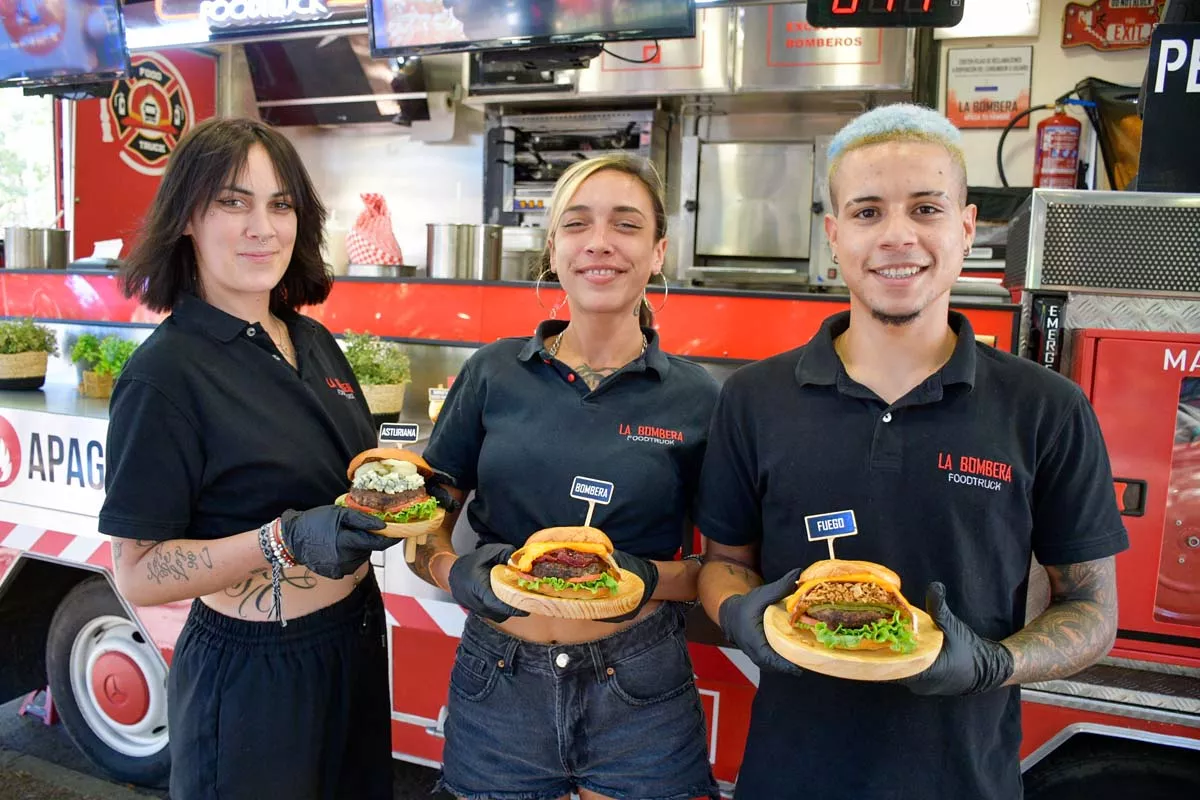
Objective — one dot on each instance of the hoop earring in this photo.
(666, 294)
(537, 293)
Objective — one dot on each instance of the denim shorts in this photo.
(619, 716)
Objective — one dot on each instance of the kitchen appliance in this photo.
(526, 153)
(753, 213)
(36, 248)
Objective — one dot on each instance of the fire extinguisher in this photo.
(1056, 159)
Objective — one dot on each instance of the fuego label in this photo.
(830, 526)
(591, 490)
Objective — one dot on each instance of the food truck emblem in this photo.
(10, 453)
(148, 112)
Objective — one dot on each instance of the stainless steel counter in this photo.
(56, 398)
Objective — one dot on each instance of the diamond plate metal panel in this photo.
(1136, 688)
(1117, 312)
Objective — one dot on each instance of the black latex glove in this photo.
(471, 582)
(646, 570)
(968, 663)
(332, 541)
(741, 618)
(434, 489)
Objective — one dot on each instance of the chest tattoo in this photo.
(591, 376)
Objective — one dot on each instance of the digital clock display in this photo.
(885, 13)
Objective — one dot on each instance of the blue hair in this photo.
(896, 122)
(899, 122)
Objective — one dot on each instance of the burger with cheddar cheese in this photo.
(852, 605)
(569, 562)
(389, 483)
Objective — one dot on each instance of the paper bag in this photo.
(371, 240)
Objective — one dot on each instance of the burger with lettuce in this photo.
(852, 605)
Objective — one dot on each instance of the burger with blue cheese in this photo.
(389, 483)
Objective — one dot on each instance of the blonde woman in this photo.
(608, 709)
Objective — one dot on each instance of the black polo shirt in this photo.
(518, 427)
(990, 460)
(211, 432)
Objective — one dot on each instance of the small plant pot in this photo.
(384, 398)
(96, 385)
(23, 370)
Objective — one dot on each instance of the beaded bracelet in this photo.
(270, 540)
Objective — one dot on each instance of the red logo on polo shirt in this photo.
(650, 433)
(985, 473)
(341, 387)
(10, 453)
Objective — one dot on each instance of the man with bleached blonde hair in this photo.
(952, 461)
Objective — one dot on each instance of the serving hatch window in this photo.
(26, 160)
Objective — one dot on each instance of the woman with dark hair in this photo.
(229, 434)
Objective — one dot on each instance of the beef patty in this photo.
(567, 564)
(850, 616)
(382, 500)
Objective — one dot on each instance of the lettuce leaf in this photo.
(419, 511)
(605, 580)
(896, 633)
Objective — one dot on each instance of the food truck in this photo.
(463, 126)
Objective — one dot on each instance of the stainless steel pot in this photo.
(36, 248)
(487, 246)
(448, 250)
(463, 252)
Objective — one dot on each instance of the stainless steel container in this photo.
(524, 249)
(487, 246)
(448, 249)
(36, 248)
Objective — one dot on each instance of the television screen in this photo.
(60, 41)
(415, 27)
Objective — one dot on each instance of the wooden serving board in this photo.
(405, 530)
(629, 594)
(856, 665)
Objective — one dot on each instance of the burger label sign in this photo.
(52, 460)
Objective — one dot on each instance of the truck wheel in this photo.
(109, 685)
(1118, 772)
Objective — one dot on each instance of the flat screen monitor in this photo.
(420, 27)
(54, 42)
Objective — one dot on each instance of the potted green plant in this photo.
(382, 369)
(25, 347)
(101, 361)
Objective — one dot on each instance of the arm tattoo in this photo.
(1076, 630)
(255, 591)
(116, 550)
(591, 376)
(423, 553)
(168, 562)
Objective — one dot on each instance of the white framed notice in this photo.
(988, 86)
